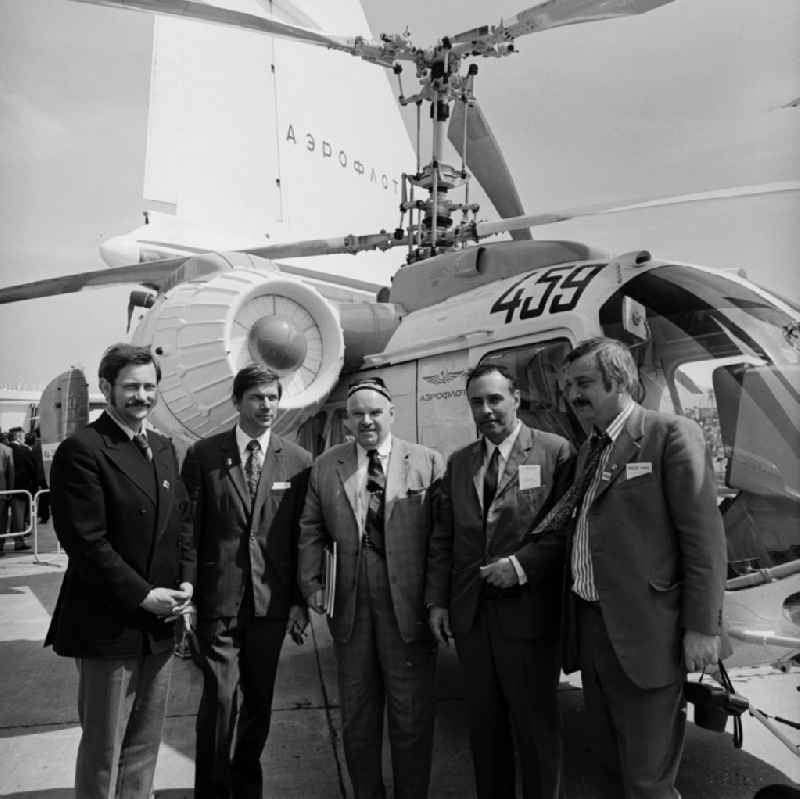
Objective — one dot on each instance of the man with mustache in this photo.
(122, 515)
(372, 497)
(646, 567)
(246, 487)
(498, 592)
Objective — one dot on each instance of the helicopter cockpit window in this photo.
(537, 368)
(723, 355)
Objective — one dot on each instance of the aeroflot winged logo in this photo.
(442, 377)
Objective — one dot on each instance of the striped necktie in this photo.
(141, 441)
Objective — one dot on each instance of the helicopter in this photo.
(708, 344)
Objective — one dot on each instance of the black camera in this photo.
(713, 704)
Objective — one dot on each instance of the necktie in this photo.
(376, 488)
(140, 439)
(571, 500)
(252, 467)
(490, 481)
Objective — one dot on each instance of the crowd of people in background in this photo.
(21, 469)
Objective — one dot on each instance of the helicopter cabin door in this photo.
(444, 420)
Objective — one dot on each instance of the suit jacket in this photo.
(459, 545)
(330, 514)
(6, 471)
(657, 545)
(238, 540)
(25, 470)
(125, 524)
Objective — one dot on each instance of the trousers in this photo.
(376, 668)
(121, 707)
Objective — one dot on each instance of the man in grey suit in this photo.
(645, 570)
(373, 498)
(497, 590)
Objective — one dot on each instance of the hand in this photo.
(315, 601)
(439, 622)
(166, 602)
(500, 573)
(297, 623)
(185, 608)
(699, 650)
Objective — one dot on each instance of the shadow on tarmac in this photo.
(38, 690)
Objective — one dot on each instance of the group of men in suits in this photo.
(525, 556)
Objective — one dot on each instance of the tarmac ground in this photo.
(303, 758)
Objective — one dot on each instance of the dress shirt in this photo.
(384, 450)
(504, 451)
(242, 440)
(582, 572)
(130, 432)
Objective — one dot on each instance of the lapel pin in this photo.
(165, 484)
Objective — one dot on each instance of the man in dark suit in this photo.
(122, 515)
(6, 484)
(497, 592)
(25, 479)
(646, 568)
(247, 487)
(373, 498)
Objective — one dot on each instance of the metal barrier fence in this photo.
(33, 519)
(8, 492)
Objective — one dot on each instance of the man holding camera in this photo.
(646, 567)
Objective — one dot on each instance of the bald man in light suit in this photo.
(373, 498)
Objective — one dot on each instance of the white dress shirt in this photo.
(124, 426)
(582, 569)
(242, 440)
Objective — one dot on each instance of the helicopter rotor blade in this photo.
(153, 274)
(336, 246)
(554, 14)
(381, 53)
(483, 229)
(485, 161)
(160, 274)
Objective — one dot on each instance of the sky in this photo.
(683, 99)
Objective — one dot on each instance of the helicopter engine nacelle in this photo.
(204, 332)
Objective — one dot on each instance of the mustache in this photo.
(138, 404)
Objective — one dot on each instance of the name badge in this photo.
(530, 476)
(633, 470)
(281, 485)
